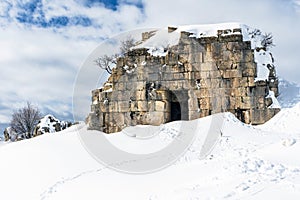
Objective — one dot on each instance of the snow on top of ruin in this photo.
(164, 38)
(160, 40)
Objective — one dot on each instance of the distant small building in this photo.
(197, 76)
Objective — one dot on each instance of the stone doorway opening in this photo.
(179, 105)
(175, 111)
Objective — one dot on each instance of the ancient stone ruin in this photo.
(199, 76)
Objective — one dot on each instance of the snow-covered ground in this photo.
(246, 163)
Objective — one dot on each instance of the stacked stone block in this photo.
(196, 78)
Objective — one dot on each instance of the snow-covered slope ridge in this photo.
(285, 121)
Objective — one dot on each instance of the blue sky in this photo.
(43, 43)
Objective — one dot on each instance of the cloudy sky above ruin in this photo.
(43, 43)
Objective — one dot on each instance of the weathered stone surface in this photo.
(160, 106)
(141, 95)
(196, 78)
(123, 106)
(142, 105)
(204, 103)
(156, 118)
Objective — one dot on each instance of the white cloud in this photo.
(39, 66)
(4, 119)
(4, 7)
(105, 21)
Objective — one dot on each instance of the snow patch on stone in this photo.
(275, 103)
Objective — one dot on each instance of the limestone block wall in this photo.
(196, 78)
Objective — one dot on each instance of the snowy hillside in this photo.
(246, 163)
(289, 93)
(47, 124)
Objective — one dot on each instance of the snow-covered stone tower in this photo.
(184, 73)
